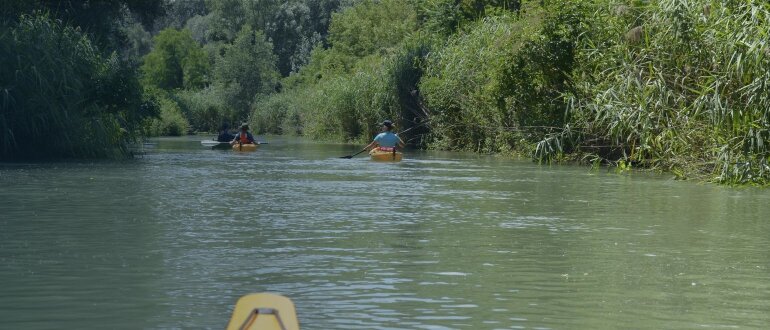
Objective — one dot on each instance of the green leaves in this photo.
(690, 95)
(176, 61)
(372, 27)
(468, 84)
(247, 65)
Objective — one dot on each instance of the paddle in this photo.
(214, 143)
(351, 156)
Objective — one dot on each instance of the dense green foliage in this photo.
(371, 27)
(669, 84)
(60, 96)
(191, 66)
(674, 85)
(247, 65)
(464, 79)
(347, 89)
(96, 19)
(293, 27)
(171, 121)
(684, 90)
(176, 61)
(247, 44)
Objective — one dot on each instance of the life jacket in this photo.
(244, 137)
(387, 148)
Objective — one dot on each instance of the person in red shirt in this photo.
(243, 137)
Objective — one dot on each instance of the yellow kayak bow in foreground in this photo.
(264, 311)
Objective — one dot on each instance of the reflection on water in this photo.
(438, 241)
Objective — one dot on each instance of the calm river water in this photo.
(438, 241)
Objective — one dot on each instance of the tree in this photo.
(296, 27)
(177, 13)
(228, 16)
(248, 65)
(97, 19)
(287, 31)
(138, 42)
(372, 27)
(176, 61)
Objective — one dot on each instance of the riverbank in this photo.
(671, 86)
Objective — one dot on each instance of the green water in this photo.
(438, 241)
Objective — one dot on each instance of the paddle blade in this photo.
(347, 157)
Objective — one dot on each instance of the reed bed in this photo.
(674, 85)
(60, 97)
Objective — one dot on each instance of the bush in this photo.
(279, 113)
(171, 121)
(348, 108)
(205, 109)
(342, 108)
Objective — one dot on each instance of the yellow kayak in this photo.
(388, 154)
(245, 147)
(263, 311)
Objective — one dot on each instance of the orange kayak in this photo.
(387, 155)
(245, 147)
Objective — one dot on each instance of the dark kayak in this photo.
(216, 144)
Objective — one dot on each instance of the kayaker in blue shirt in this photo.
(243, 137)
(387, 140)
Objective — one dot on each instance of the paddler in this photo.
(224, 135)
(387, 140)
(243, 137)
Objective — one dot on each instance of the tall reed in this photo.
(463, 81)
(689, 94)
(59, 96)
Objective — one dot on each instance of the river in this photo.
(438, 241)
